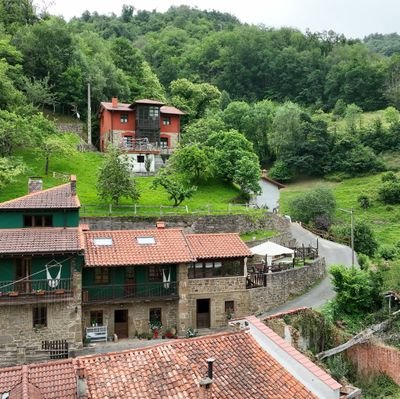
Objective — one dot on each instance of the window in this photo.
(38, 220)
(155, 273)
(166, 120)
(101, 275)
(164, 142)
(229, 307)
(140, 158)
(124, 118)
(145, 240)
(39, 314)
(102, 241)
(96, 318)
(155, 315)
(153, 112)
(210, 268)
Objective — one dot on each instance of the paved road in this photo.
(323, 292)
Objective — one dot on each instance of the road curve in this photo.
(333, 253)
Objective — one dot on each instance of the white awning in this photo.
(271, 249)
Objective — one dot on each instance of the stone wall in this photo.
(372, 359)
(138, 315)
(282, 285)
(195, 224)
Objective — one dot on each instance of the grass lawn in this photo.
(258, 235)
(384, 219)
(214, 196)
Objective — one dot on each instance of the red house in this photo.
(146, 129)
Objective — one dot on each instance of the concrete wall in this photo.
(372, 359)
(194, 224)
(282, 285)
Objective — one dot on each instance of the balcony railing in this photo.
(146, 147)
(29, 291)
(127, 292)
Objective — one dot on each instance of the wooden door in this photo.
(23, 272)
(121, 323)
(203, 313)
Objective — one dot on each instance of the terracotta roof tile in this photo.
(169, 246)
(120, 107)
(40, 240)
(171, 110)
(222, 245)
(242, 369)
(55, 198)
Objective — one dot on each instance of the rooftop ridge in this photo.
(134, 230)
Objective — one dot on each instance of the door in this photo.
(129, 282)
(23, 272)
(203, 313)
(121, 323)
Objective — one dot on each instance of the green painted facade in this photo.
(61, 218)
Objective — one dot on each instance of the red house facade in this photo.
(146, 129)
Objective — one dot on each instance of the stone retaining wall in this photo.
(282, 285)
(194, 224)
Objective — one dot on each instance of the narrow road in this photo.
(333, 253)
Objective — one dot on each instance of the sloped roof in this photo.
(221, 245)
(53, 198)
(169, 246)
(119, 107)
(166, 109)
(126, 107)
(40, 240)
(272, 181)
(53, 380)
(147, 101)
(242, 370)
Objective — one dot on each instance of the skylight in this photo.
(145, 240)
(103, 241)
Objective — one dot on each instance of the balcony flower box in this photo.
(13, 293)
(59, 291)
(40, 292)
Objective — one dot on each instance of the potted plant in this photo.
(155, 327)
(40, 292)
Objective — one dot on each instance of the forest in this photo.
(297, 97)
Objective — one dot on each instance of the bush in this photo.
(389, 176)
(364, 201)
(388, 252)
(338, 367)
(364, 261)
(281, 171)
(313, 204)
(389, 192)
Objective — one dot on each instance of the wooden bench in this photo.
(98, 333)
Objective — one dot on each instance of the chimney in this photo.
(206, 383)
(264, 173)
(114, 102)
(160, 225)
(81, 384)
(72, 181)
(35, 184)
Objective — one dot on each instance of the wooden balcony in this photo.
(120, 293)
(34, 291)
(146, 148)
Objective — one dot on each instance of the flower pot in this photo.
(13, 293)
(40, 292)
(60, 291)
(155, 334)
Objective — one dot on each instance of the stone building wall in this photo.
(282, 285)
(194, 224)
(138, 315)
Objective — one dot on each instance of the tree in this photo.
(14, 132)
(312, 204)
(358, 291)
(39, 91)
(193, 161)
(177, 189)
(114, 178)
(10, 168)
(56, 145)
(247, 175)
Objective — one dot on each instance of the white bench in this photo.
(98, 333)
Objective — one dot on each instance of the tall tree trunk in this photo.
(46, 167)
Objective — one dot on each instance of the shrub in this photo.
(389, 192)
(364, 201)
(364, 261)
(338, 367)
(312, 204)
(281, 171)
(388, 252)
(389, 176)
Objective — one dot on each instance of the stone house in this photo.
(148, 130)
(41, 255)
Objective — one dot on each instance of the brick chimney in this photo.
(114, 102)
(35, 184)
(160, 225)
(205, 384)
(81, 383)
(72, 181)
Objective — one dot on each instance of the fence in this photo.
(57, 349)
(162, 210)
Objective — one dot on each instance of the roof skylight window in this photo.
(145, 240)
(103, 241)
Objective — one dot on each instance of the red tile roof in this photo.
(147, 101)
(171, 110)
(242, 369)
(222, 245)
(120, 107)
(40, 240)
(169, 246)
(53, 380)
(53, 198)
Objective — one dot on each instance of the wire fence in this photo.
(163, 210)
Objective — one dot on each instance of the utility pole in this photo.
(89, 116)
(351, 211)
